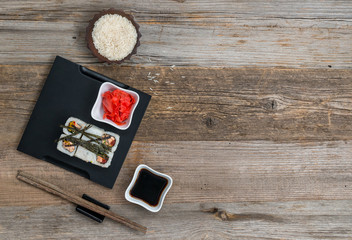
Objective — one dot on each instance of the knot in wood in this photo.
(209, 121)
(271, 105)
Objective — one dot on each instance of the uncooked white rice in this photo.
(114, 36)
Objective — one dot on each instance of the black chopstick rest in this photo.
(89, 213)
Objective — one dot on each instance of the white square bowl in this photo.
(138, 201)
(97, 112)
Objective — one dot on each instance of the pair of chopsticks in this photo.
(51, 188)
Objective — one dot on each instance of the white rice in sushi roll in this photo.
(85, 155)
(68, 150)
(78, 123)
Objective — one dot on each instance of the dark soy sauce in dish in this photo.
(148, 187)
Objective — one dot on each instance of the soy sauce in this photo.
(148, 187)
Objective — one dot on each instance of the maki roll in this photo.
(66, 146)
(88, 142)
(72, 124)
(104, 161)
(111, 140)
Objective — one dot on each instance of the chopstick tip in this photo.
(18, 173)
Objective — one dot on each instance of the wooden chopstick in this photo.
(51, 188)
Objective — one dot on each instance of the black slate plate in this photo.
(71, 90)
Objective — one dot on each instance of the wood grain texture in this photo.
(270, 220)
(210, 104)
(203, 171)
(296, 34)
(264, 134)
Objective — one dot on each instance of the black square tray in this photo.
(71, 90)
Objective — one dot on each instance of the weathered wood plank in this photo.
(298, 34)
(271, 220)
(203, 171)
(225, 135)
(210, 104)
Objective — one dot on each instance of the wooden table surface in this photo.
(251, 113)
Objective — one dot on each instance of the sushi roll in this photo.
(75, 123)
(104, 161)
(88, 156)
(66, 146)
(110, 139)
(91, 144)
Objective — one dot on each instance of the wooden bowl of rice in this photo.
(113, 36)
